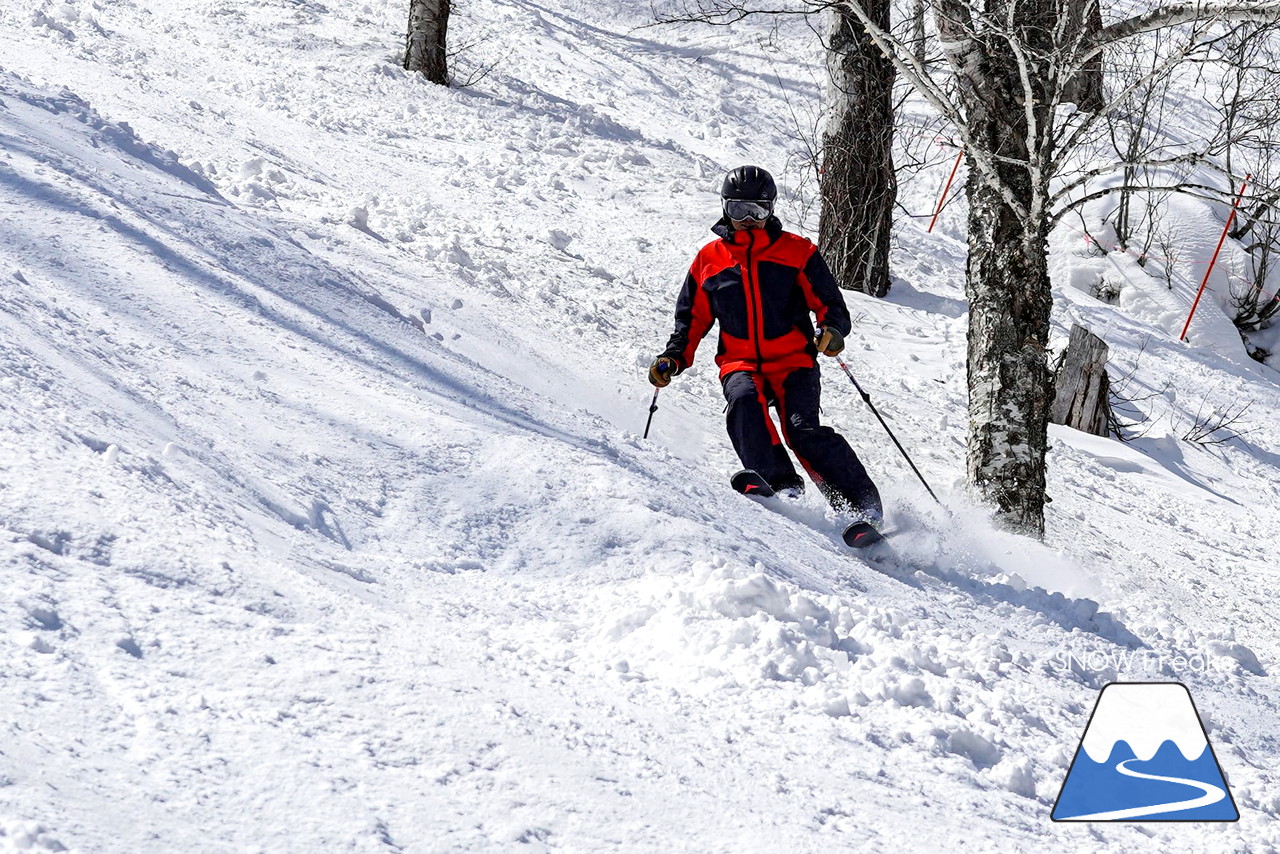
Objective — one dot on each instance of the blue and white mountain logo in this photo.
(1145, 757)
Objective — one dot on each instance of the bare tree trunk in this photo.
(425, 42)
(1009, 387)
(859, 187)
(1008, 273)
(919, 37)
(1084, 89)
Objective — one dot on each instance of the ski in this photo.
(859, 535)
(749, 482)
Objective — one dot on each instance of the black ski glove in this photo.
(661, 371)
(829, 341)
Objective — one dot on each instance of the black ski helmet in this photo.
(749, 183)
(749, 189)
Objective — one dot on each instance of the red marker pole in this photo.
(1214, 260)
(945, 190)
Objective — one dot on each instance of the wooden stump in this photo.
(1081, 397)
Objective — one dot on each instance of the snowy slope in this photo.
(326, 524)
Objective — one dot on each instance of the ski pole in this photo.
(653, 407)
(866, 398)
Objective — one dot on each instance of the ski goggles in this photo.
(737, 209)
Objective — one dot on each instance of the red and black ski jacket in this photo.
(761, 285)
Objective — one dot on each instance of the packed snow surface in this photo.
(327, 524)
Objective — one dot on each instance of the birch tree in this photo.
(425, 41)
(1009, 65)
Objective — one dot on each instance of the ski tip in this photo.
(749, 482)
(859, 535)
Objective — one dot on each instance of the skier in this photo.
(761, 284)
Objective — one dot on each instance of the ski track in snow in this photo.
(326, 525)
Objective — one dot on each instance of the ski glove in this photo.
(829, 341)
(661, 371)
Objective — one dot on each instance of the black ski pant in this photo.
(824, 453)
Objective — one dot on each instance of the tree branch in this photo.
(722, 13)
(1185, 12)
(1209, 194)
(1190, 157)
(1067, 146)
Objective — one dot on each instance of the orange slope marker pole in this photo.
(1214, 260)
(945, 190)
